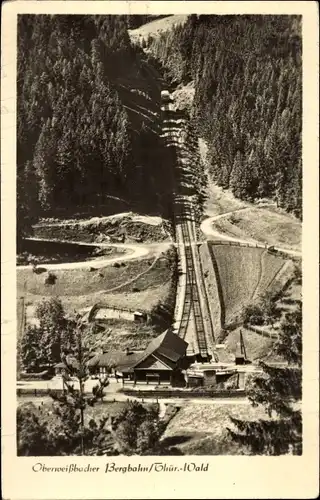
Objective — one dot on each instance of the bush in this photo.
(39, 270)
(44, 375)
(50, 279)
(117, 264)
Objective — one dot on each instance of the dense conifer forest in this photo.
(247, 73)
(76, 144)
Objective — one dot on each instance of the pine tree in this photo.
(72, 404)
(279, 391)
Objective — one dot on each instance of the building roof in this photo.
(68, 362)
(114, 359)
(167, 347)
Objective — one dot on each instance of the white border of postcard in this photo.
(227, 477)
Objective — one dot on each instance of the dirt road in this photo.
(132, 251)
(209, 231)
(112, 394)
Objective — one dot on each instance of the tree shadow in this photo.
(175, 440)
(40, 270)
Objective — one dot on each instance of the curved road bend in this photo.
(134, 251)
(208, 230)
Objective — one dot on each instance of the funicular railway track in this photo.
(192, 292)
(191, 313)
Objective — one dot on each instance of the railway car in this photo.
(165, 96)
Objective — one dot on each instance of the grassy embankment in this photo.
(138, 283)
(201, 429)
(254, 222)
(126, 226)
(238, 277)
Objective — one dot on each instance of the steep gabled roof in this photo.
(115, 359)
(167, 345)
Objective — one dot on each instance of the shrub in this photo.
(44, 375)
(39, 270)
(50, 279)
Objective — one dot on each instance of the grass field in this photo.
(156, 27)
(257, 346)
(264, 225)
(200, 429)
(244, 273)
(219, 201)
(120, 334)
(262, 222)
(212, 289)
(140, 284)
(76, 282)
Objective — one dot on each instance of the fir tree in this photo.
(279, 391)
(72, 404)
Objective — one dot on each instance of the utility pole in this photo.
(242, 346)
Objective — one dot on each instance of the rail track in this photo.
(192, 297)
(173, 127)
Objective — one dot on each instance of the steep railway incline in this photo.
(193, 320)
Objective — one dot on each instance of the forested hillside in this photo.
(247, 73)
(83, 134)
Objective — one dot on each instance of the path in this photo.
(208, 230)
(111, 394)
(261, 270)
(133, 251)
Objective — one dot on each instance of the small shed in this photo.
(140, 317)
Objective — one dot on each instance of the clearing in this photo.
(139, 283)
(125, 226)
(154, 28)
(265, 225)
(242, 273)
(257, 346)
(259, 222)
(119, 335)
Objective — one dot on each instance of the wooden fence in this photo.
(263, 333)
(95, 308)
(152, 394)
(171, 393)
(236, 244)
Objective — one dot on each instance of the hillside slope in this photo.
(247, 74)
(242, 273)
(156, 27)
(88, 120)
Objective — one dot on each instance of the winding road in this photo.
(209, 231)
(139, 250)
(132, 251)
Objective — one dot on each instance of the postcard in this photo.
(159, 250)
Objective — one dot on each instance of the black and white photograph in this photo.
(159, 213)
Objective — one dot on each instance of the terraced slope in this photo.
(212, 288)
(242, 274)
